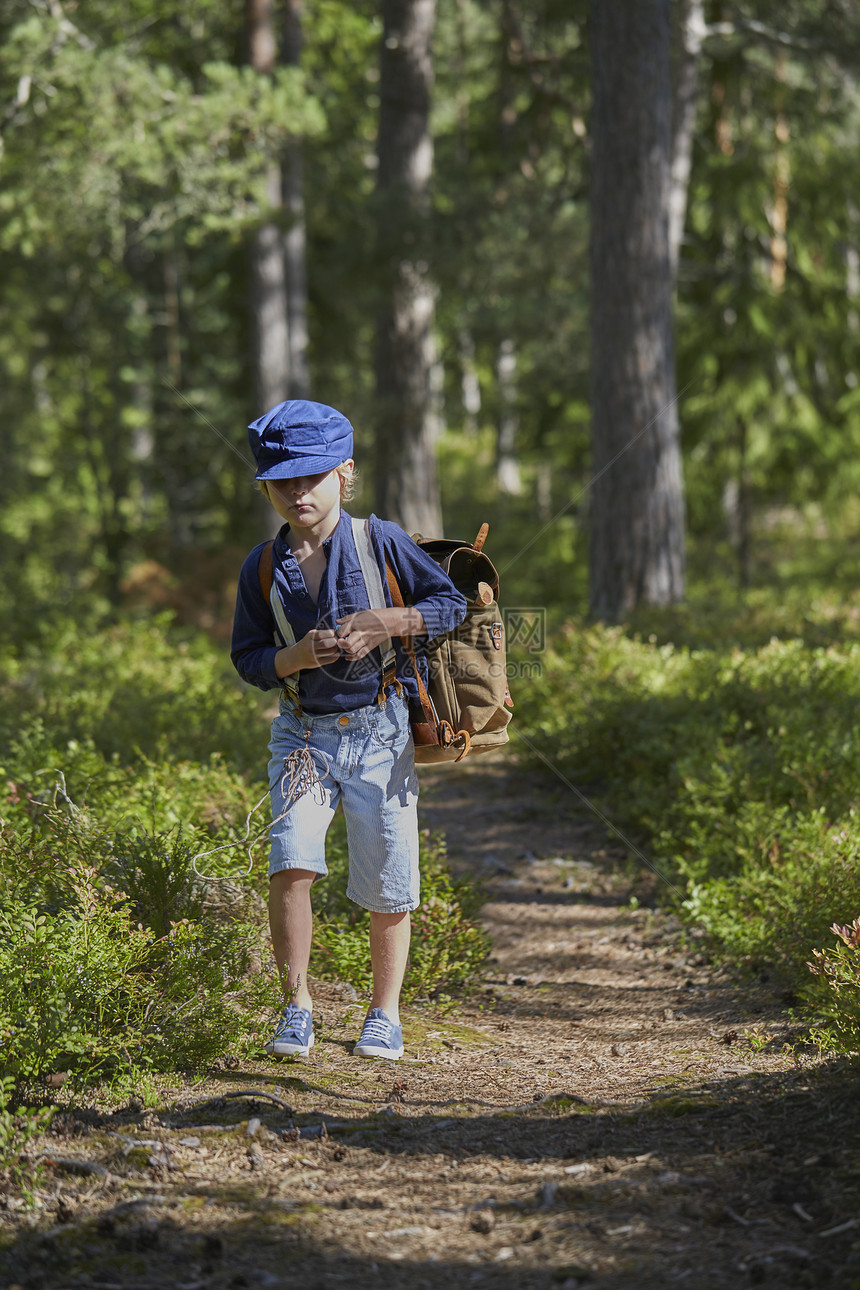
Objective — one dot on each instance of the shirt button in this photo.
(344, 721)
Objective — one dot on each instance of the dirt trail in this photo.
(610, 1112)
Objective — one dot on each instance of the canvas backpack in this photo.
(465, 707)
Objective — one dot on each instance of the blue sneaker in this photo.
(379, 1037)
(294, 1033)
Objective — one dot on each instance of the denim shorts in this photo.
(363, 759)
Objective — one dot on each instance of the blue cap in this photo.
(299, 438)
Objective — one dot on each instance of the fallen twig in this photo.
(249, 1093)
(842, 1227)
(549, 1100)
(75, 1166)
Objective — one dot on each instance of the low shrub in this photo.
(737, 769)
(138, 689)
(834, 992)
(88, 990)
(125, 776)
(18, 1128)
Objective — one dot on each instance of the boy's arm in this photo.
(257, 656)
(422, 583)
(254, 647)
(436, 607)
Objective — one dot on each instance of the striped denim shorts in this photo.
(364, 759)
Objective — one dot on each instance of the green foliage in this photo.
(89, 991)
(120, 313)
(129, 139)
(135, 690)
(18, 1128)
(116, 957)
(736, 770)
(834, 993)
(766, 322)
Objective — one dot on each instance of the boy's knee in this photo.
(293, 877)
(386, 918)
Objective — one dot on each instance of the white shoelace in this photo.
(376, 1028)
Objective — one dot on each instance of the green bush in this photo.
(737, 769)
(86, 989)
(18, 1128)
(135, 690)
(834, 992)
(128, 768)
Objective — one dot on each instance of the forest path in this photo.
(611, 1112)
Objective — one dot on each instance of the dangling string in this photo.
(300, 775)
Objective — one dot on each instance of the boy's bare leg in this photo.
(389, 949)
(291, 923)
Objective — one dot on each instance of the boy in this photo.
(343, 731)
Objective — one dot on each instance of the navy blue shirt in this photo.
(346, 683)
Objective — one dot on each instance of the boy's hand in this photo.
(315, 649)
(319, 646)
(360, 633)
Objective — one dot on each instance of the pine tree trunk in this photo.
(636, 500)
(407, 488)
(295, 240)
(267, 288)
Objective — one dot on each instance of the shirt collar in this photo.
(337, 532)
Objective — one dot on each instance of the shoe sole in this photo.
(366, 1050)
(277, 1049)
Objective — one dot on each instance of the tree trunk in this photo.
(781, 180)
(689, 35)
(268, 300)
(295, 240)
(470, 385)
(407, 488)
(508, 475)
(637, 504)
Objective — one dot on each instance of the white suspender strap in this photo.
(284, 627)
(287, 636)
(372, 580)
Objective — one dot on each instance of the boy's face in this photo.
(307, 501)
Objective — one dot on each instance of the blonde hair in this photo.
(347, 483)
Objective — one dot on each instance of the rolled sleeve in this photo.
(254, 648)
(423, 584)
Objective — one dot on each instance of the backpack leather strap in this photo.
(430, 730)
